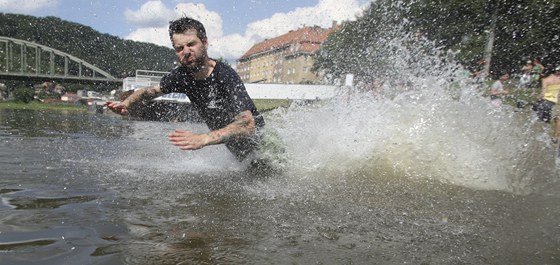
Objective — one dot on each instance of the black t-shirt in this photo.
(217, 99)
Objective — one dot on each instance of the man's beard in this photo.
(195, 65)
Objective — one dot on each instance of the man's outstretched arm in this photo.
(122, 107)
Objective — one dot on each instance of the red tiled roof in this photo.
(309, 38)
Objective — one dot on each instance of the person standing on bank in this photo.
(551, 93)
(215, 90)
(548, 97)
(497, 91)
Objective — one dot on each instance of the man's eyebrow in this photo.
(185, 44)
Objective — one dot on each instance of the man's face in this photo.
(504, 77)
(190, 49)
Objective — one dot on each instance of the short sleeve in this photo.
(240, 96)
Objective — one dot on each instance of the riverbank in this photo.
(262, 104)
(40, 106)
(270, 104)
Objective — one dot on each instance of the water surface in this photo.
(81, 188)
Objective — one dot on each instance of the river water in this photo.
(363, 181)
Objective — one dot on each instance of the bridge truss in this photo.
(24, 60)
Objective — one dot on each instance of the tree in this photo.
(23, 94)
(224, 60)
(373, 45)
(364, 47)
(522, 29)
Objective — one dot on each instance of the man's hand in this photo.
(188, 140)
(243, 125)
(117, 107)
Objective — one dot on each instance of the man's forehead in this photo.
(185, 36)
(189, 32)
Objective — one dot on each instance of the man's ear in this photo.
(205, 43)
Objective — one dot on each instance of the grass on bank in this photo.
(34, 105)
(528, 94)
(270, 104)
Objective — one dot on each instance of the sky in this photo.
(232, 26)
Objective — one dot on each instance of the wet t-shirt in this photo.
(218, 99)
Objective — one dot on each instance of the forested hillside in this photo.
(119, 57)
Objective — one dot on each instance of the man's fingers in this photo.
(180, 133)
(185, 140)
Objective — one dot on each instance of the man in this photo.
(525, 74)
(548, 97)
(497, 91)
(214, 89)
(536, 70)
(551, 88)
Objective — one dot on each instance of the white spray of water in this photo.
(149, 150)
(465, 142)
(436, 125)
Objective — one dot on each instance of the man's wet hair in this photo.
(185, 23)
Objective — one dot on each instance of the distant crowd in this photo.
(545, 88)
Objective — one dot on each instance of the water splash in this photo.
(430, 123)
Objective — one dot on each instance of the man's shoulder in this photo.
(223, 67)
(554, 80)
(226, 73)
(551, 78)
(550, 81)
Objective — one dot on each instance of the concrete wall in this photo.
(283, 91)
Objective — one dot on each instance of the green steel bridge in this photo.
(24, 60)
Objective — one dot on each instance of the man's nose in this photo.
(185, 51)
(187, 54)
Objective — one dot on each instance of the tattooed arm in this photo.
(142, 93)
(243, 125)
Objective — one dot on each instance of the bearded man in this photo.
(213, 87)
